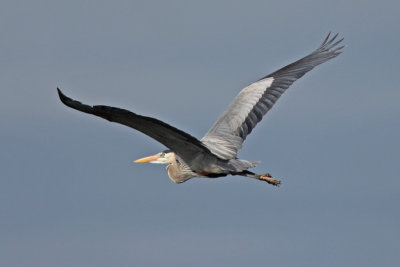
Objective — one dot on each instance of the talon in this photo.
(269, 179)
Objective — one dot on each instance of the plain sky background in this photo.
(70, 194)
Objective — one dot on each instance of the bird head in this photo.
(164, 157)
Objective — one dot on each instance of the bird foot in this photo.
(269, 179)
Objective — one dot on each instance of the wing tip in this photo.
(69, 102)
(64, 99)
(329, 43)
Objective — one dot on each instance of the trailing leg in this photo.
(263, 177)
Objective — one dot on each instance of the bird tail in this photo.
(239, 165)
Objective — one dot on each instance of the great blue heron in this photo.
(215, 155)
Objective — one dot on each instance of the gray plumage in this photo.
(227, 134)
(215, 155)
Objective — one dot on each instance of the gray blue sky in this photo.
(70, 194)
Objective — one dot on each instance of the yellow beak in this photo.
(148, 159)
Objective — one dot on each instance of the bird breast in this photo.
(179, 175)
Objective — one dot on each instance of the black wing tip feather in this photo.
(326, 51)
(329, 43)
(69, 102)
(65, 99)
(62, 97)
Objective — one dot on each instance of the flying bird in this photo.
(215, 155)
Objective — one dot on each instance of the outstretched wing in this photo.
(186, 146)
(226, 136)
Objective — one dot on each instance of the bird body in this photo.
(215, 155)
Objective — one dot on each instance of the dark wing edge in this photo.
(226, 136)
(186, 146)
(300, 67)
